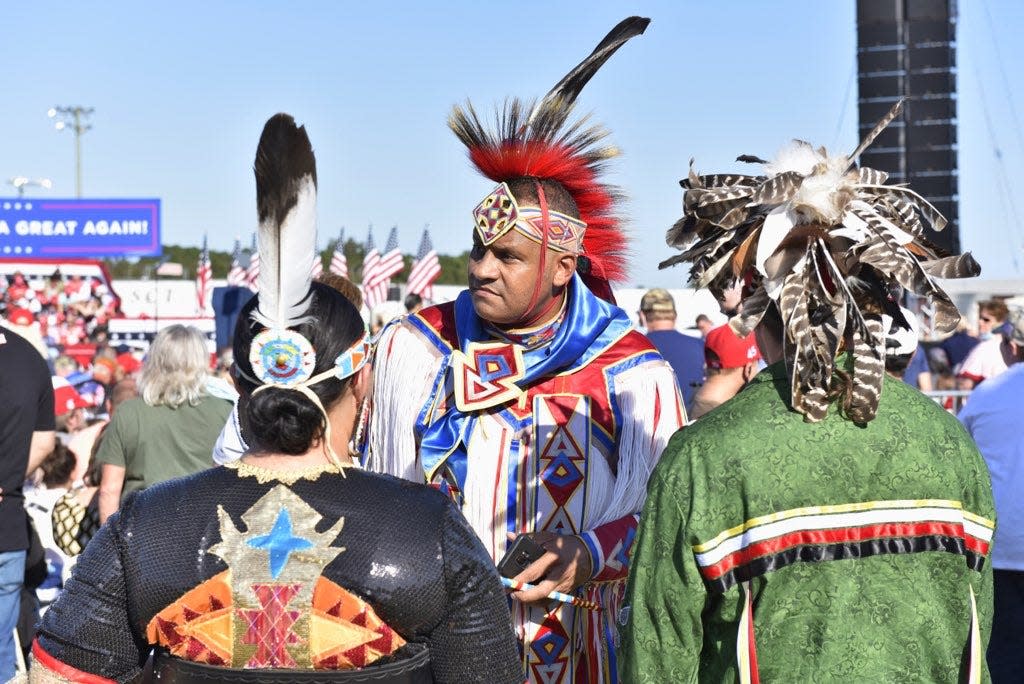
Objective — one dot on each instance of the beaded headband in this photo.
(499, 213)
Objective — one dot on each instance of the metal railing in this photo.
(951, 400)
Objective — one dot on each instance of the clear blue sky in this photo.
(181, 91)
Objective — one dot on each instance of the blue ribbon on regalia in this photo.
(591, 324)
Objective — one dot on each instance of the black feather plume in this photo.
(550, 113)
(284, 157)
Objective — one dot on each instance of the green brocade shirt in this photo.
(859, 545)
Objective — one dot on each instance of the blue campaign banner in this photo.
(69, 228)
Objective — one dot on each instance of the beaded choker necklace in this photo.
(532, 338)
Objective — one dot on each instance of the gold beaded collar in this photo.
(265, 475)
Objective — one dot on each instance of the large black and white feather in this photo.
(545, 120)
(818, 236)
(286, 204)
(549, 115)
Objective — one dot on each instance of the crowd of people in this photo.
(98, 413)
(519, 484)
(58, 311)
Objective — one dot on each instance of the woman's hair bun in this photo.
(283, 420)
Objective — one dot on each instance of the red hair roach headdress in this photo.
(537, 142)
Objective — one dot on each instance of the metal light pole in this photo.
(21, 182)
(74, 118)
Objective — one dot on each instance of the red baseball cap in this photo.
(128, 362)
(20, 316)
(65, 397)
(724, 349)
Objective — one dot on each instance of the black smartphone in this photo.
(519, 555)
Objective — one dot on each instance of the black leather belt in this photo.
(414, 669)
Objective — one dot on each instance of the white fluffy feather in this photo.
(825, 190)
(796, 156)
(824, 195)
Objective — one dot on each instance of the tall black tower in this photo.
(907, 48)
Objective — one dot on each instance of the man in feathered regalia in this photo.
(530, 399)
(828, 523)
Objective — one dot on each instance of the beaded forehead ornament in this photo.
(499, 213)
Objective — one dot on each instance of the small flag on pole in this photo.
(317, 269)
(236, 275)
(378, 271)
(339, 264)
(371, 257)
(426, 269)
(252, 274)
(204, 275)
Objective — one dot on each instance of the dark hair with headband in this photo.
(559, 199)
(282, 420)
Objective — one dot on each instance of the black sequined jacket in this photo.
(239, 573)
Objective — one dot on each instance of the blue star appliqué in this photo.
(280, 543)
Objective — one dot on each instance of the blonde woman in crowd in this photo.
(170, 429)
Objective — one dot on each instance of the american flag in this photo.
(236, 276)
(318, 265)
(252, 274)
(378, 269)
(203, 275)
(425, 270)
(371, 257)
(339, 264)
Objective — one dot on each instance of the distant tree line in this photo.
(453, 268)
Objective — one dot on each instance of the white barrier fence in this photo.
(951, 400)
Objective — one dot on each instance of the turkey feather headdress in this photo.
(537, 141)
(832, 247)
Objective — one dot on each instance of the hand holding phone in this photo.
(519, 555)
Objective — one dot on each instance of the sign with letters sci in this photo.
(69, 228)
